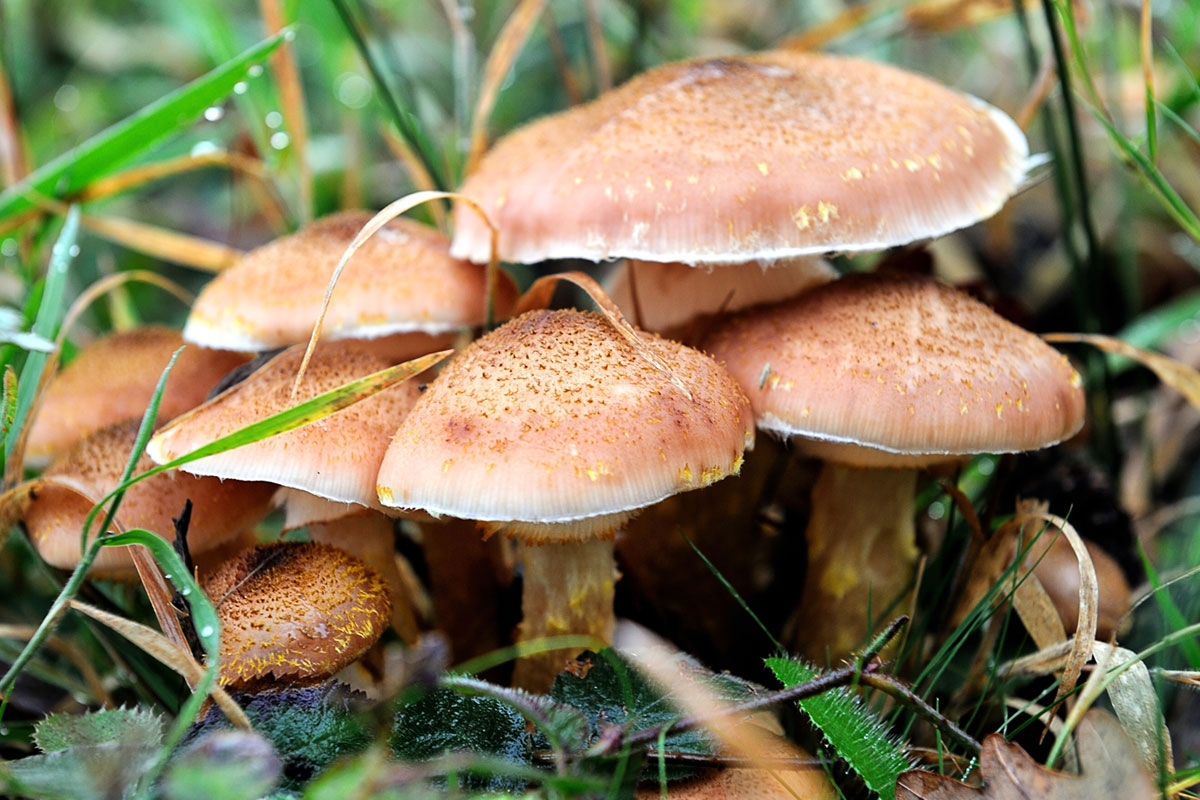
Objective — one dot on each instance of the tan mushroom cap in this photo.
(554, 418)
(670, 295)
(113, 379)
(883, 370)
(402, 280)
(336, 458)
(761, 156)
(83, 475)
(297, 612)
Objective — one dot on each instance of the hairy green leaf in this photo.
(132, 726)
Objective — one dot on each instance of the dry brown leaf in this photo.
(167, 652)
(1109, 765)
(1136, 703)
(142, 174)
(943, 16)
(823, 33)
(1177, 375)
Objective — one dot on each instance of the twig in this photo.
(904, 693)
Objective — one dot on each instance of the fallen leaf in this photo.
(1109, 763)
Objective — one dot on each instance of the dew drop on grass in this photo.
(240, 87)
(274, 119)
(353, 90)
(255, 70)
(213, 113)
(185, 591)
(8, 247)
(204, 148)
(74, 251)
(279, 140)
(290, 36)
(207, 630)
(937, 509)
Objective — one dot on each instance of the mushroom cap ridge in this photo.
(762, 156)
(884, 370)
(554, 418)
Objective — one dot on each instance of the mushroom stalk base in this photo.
(568, 589)
(861, 554)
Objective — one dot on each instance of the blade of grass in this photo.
(291, 100)
(500, 61)
(71, 172)
(138, 176)
(88, 553)
(407, 123)
(165, 244)
(1147, 54)
(49, 313)
(1166, 604)
(597, 46)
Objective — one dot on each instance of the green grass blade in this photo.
(208, 629)
(1191, 132)
(1175, 618)
(49, 315)
(117, 145)
(856, 734)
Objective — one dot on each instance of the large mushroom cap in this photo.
(554, 418)
(885, 370)
(295, 611)
(401, 280)
(745, 157)
(336, 457)
(91, 469)
(113, 379)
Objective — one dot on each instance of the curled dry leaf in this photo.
(1136, 703)
(1177, 375)
(1109, 768)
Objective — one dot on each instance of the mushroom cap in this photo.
(336, 458)
(670, 295)
(82, 476)
(402, 280)
(113, 379)
(761, 156)
(295, 611)
(886, 370)
(555, 418)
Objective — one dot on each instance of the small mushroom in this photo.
(328, 467)
(554, 430)
(401, 291)
(82, 476)
(112, 380)
(880, 375)
(295, 612)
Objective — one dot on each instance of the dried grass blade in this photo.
(420, 177)
(383, 217)
(1089, 602)
(562, 63)
(1147, 54)
(1043, 83)
(291, 101)
(822, 34)
(744, 739)
(68, 650)
(12, 156)
(1044, 662)
(160, 598)
(138, 176)
(162, 649)
(500, 60)
(1136, 703)
(538, 296)
(1177, 375)
(595, 33)
(191, 251)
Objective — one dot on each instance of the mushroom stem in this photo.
(467, 577)
(861, 554)
(568, 589)
(368, 537)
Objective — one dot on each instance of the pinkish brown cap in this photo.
(83, 475)
(670, 295)
(113, 379)
(764, 156)
(336, 458)
(402, 280)
(884, 370)
(295, 612)
(554, 418)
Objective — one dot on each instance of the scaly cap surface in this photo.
(761, 156)
(554, 418)
(882, 370)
